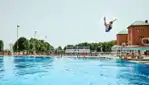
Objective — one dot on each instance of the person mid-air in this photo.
(108, 27)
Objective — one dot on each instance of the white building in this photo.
(77, 49)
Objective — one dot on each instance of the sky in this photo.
(68, 21)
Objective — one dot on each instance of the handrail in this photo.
(143, 42)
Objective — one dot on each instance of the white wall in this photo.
(77, 51)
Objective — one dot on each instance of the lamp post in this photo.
(34, 42)
(45, 41)
(35, 34)
(45, 38)
(17, 37)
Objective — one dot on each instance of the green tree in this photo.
(108, 45)
(83, 44)
(32, 45)
(27, 46)
(20, 43)
(51, 48)
(1, 45)
(35, 45)
(59, 50)
(68, 46)
(43, 46)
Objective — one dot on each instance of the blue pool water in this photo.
(71, 71)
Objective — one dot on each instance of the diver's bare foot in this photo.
(104, 18)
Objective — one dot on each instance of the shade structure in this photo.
(135, 48)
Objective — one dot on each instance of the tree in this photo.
(1, 45)
(51, 48)
(59, 50)
(83, 44)
(67, 46)
(40, 46)
(21, 44)
(48, 47)
(27, 46)
(32, 45)
(43, 46)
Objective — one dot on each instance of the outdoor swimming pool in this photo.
(71, 71)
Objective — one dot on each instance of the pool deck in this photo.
(144, 60)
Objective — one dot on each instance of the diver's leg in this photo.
(105, 21)
(106, 25)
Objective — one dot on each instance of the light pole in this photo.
(35, 34)
(45, 41)
(34, 42)
(17, 37)
(45, 38)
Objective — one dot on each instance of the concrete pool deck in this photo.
(142, 62)
(145, 60)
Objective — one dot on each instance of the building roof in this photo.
(139, 23)
(123, 32)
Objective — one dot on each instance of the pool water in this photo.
(71, 71)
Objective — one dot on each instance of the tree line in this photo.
(33, 44)
(105, 46)
(1, 45)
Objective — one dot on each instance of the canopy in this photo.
(135, 48)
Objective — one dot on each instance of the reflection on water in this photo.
(18, 59)
(132, 73)
(1, 62)
(1, 67)
(37, 64)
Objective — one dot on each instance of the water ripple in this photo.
(71, 71)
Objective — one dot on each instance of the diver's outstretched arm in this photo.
(111, 22)
(114, 20)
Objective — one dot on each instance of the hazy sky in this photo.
(68, 21)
